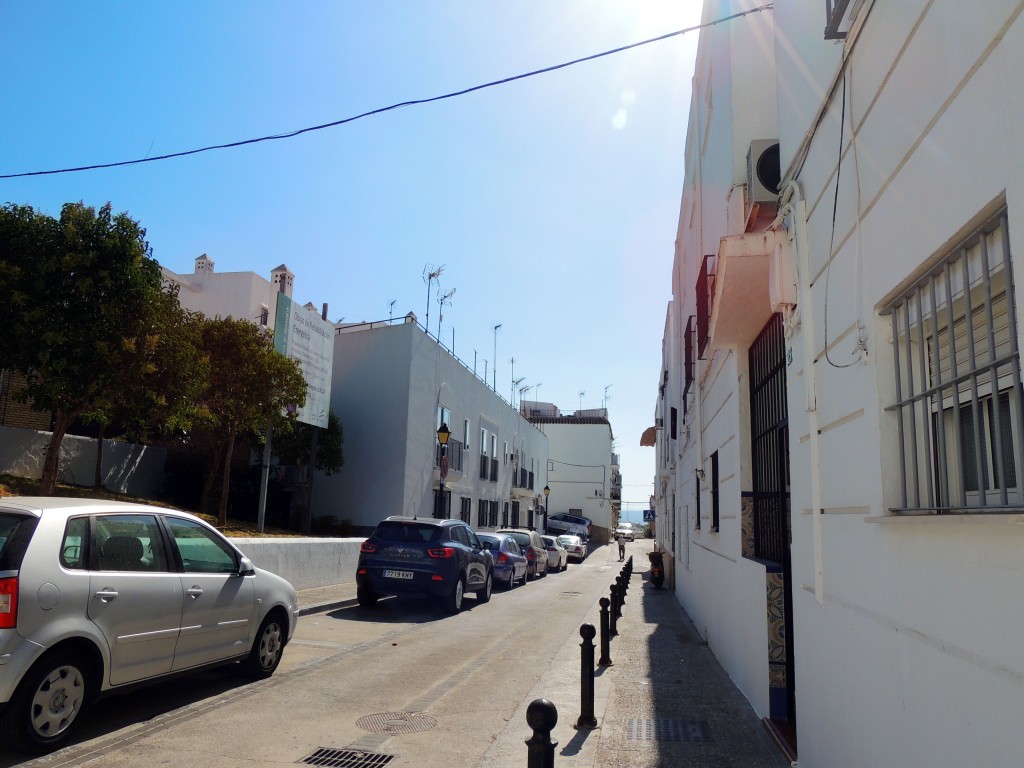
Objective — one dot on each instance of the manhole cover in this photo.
(347, 758)
(661, 729)
(396, 722)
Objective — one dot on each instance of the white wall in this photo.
(580, 476)
(126, 468)
(908, 647)
(305, 562)
(386, 386)
(733, 102)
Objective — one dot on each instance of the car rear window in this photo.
(15, 534)
(488, 542)
(523, 539)
(407, 533)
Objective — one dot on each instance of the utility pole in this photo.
(494, 382)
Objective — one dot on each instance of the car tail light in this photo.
(367, 548)
(530, 555)
(9, 603)
(502, 558)
(441, 553)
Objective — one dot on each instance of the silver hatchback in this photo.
(99, 595)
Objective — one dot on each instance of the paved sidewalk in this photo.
(664, 701)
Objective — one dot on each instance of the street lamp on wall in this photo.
(443, 433)
(547, 492)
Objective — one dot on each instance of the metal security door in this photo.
(769, 433)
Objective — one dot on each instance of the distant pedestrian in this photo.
(621, 541)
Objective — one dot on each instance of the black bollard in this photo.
(606, 656)
(542, 716)
(613, 614)
(587, 719)
(621, 581)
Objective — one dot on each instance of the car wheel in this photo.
(366, 597)
(484, 594)
(48, 703)
(267, 648)
(453, 601)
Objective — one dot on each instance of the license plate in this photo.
(397, 574)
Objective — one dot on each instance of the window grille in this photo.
(714, 492)
(957, 375)
(687, 358)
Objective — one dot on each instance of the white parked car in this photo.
(558, 558)
(96, 596)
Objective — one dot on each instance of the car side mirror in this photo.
(245, 566)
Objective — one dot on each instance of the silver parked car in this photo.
(574, 547)
(98, 595)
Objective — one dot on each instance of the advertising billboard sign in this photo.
(309, 339)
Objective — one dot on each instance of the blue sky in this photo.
(550, 201)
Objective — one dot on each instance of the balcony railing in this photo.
(705, 294)
(522, 478)
(454, 449)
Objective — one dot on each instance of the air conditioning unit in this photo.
(659, 423)
(763, 173)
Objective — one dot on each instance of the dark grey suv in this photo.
(408, 555)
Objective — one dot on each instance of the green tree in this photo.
(79, 290)
(158, 392)
(295, 447)
(248, 381)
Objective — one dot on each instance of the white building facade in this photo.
(840, 408)
(231, 294)
(582, 472)
(393, 386)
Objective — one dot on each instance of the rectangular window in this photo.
(504, 516)
(483, 442)
(958, 406)
(465, 509)
(696, 501)
(714, 492)
(481, 513)
(673, 422)
(493, 521)
(444, 416)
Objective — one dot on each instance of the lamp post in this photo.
(443, 433)
(547, 492)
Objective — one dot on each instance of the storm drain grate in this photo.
(347, 758)
(661, 729)
(570, 594)
(396, 722)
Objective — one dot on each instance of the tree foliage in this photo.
(249, 383)
(81, 294)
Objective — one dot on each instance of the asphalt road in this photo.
(399, 679)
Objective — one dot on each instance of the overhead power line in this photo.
(414, 102)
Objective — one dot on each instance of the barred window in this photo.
(958, 387)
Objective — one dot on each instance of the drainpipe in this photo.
(793, 204)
